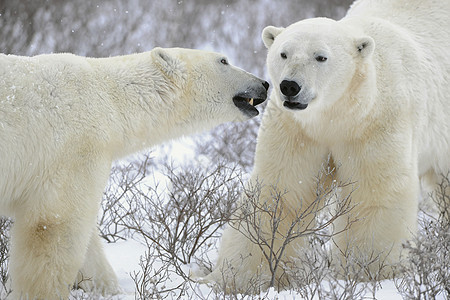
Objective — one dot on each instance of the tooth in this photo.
(251, 101)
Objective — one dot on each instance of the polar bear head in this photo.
(208, 87)
(312, 63)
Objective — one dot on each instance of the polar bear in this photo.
(371, 90)
(65, 118)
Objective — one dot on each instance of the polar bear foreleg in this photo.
(385, 209)
(46, 256)
(96, 273)
(52, 229)
(286, 164)
(255, 248)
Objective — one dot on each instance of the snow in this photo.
(125, 256)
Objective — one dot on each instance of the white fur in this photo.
(379, 105)
(64, 119)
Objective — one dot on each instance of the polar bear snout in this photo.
(291, 94)
(290, 88)
(251, 97)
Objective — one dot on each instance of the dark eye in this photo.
(321, 58)
(224, 61)
(283, 55)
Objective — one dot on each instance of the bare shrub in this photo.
(312, 274)
(232, 143)
(426, 271)
(124, 187)
(182, 227)
(153, 280)
(317, 274)
(5, 225)
(184, 222)
(284, 227)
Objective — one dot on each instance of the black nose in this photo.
(266, 85)
(289, 88)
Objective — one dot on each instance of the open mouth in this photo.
(247, 105)
(294, 105)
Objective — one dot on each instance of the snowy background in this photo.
(102, 28)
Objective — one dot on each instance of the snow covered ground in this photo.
(125, 256)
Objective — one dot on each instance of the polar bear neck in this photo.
(143, 100)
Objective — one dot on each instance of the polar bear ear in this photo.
(365, 46)
(164, 59)
(170, 64)
(269, 34)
